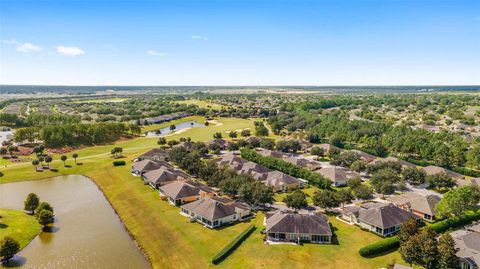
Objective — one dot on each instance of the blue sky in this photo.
(268, 42)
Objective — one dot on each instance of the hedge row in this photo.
(455, 222)
(118, 163)
(273, 163)
(380, 246)
(393, 242)
(233, 245)
(466, 171)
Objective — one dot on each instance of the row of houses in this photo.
(280, 182)
(197, 201)
(339, 176)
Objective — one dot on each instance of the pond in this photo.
(87, 232)
(178, 127)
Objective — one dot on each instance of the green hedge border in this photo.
(392, 243)
(233, 245)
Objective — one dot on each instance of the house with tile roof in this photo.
(467, 241)
(182, 192)
(215, 211)
(297, 228)
(382, 219)
(421, 205)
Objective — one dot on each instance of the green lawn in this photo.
(171, 241)
(309, 191)
(253, 253)
(18, 225)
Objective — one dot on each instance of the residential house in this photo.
(304, 162)
(255, 170)
(141, 167)
(326, 148)
(283, 182)
(295, 227)
(403, 163)
(433, 170)
(154, 155)
(338, 175)
(467, 241)
(215, 211)
(232, 161)
(182, 192)
(421, 205)
(364, 156)
(223, 144)
(382, 219)
(162, 176)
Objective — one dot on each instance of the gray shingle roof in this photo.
(419, 202)
(162, 174)
(210, 208)
(277, 178)
(146, 165)
(183, 189)
(282, 222)
(384, 215)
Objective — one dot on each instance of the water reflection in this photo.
(86, 234)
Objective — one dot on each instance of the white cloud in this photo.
(70, 51)
(10, 42)
(28, 47)
(156, 53)
(199, 37)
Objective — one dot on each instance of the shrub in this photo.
(464, 219)
(380, 246)
(118, 163)
(233, 245)
(392, 243)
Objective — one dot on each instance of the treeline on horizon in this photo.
(12, 89)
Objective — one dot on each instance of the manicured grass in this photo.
(253, 253)
(18, 225)
(201, 103)
(309, 191)
(171, 241)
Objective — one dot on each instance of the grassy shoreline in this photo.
(18, 225)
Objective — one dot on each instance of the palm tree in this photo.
(75, 156)
(63, 158)
(48, 160)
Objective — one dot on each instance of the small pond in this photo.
(87, 233)
(178, 127)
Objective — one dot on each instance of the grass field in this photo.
(18, 225)
(171, 241)
(201, 103)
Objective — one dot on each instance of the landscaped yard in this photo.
(18, 225)
(171, 241)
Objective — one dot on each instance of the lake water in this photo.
(87, 233)
(178, 127)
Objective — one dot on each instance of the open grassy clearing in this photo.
(201, 103)
(18, 225)
(171, 241)
(310, 191)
